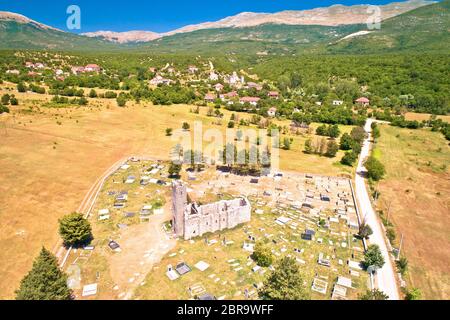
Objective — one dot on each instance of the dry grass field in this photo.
(416, 186)
(411, 116)
(50, 157)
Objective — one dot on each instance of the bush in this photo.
(402, 265)
(75, 230)
(413, 294)
(4, 109)
(169, 132)
(110, 95)
(121, 101)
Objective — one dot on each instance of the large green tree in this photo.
(284, 283)
(75, 230)
(45, 281)
(373, 257)
(375, 169)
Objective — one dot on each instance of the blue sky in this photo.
(154, 15)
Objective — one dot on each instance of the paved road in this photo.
(385, 278)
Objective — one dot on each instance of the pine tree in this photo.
(45, 281)
(75, 230)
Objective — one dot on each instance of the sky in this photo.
(155, 15)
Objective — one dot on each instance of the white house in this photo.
(272, 112)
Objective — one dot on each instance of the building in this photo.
(363, 102)
(92, 68)
(338, 102)
(272, 112)
(191, 220)
(273, 94)
(252, 100)
(14, 71)
(213, 76)
(219, 87)
(210, 97)
(192, 69)
(160, 80)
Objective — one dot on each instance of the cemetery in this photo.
(307, 217)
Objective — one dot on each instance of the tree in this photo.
(373, 257)
(14, 101)
(231, 125)
(333, 131)
(309, 147)
(5, 99)
(186, 126)
(358, 134)
(375, 131)
(262, 255)
(374, 295)
(45, 281)
(346, 142)
(286, 144)
(92, 94)
(365, 231)
(169, 132)
(75, 230)
(332, 149)
(349, 158)
(375, 169)
(284, 283)
(21, 87)
(413, 294)
(121, 101)
(174, 169)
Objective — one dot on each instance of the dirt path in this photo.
(142, 247)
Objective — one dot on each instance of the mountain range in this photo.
(411, 25)
(328, 16)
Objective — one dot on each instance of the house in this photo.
(338, 102)
(160, 80)
(251, 100)
(230, 95)
(254, 85)
(213, 76)
(273, 94)
(39, 65)
(234, 79)
(92, 68)
(192, 69)
(59, 72)
(363, 101)
(29, 64)
(272, 112)
(13, 72)
(78, 70)
(210, 97)
(318, 103)
(152, 69)
(218, 87)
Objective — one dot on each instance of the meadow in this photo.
(416, 190)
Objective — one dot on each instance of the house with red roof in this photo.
(251, 100)
(363, 101)
(92, 68)
(210, 97)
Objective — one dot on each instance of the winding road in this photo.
(385, 279)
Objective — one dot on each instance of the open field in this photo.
(148, 247)
(50, 157)
(416, 187)
(411, 116)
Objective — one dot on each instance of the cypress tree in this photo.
(45, 281)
